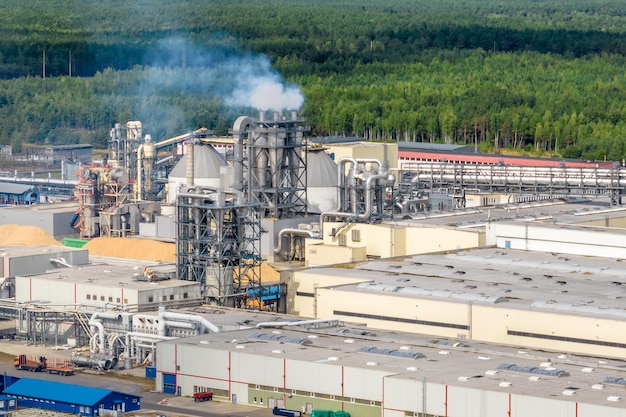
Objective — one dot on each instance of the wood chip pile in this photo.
(131, 248)
(12, 234)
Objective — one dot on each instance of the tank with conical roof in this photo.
(206, 167)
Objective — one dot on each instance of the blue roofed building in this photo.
(69, 398)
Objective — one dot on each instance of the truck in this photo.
(32, 364)
(41, 364)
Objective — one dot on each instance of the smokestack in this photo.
(190, 164)
(294, 115)
(261, 116)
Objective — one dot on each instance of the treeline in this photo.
(544, 76)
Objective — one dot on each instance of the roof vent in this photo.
(569, 392)
(463, 378)
(613, 398)
(505, 384)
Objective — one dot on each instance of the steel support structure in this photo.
(217, 245)
(276, 167)
(533, 183)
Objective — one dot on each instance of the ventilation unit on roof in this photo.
(392, 352)
(533, 370)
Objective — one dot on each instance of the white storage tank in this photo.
(207, 163)
(321, 182)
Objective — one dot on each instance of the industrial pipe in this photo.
(297, 232)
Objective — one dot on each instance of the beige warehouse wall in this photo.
(381, 240)
(305, 283)
(492, 323)
(618, 222)
(387, 153)
(436, 239)
(393, 312)
(317, 254)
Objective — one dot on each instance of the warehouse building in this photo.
(544, 300)
(69, 398)
(326, 364)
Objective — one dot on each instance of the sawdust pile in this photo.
(124, 247)
(268, 273)
(13, 234)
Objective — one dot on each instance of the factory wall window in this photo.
(102, 298)
(150, 299)
(164, 298)
(125, 300)
(110, 299)
(171, 296)
(118, 300)
(95, 297)
(89, 296)
(185, 295)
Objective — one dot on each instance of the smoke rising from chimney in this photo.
(238, 79)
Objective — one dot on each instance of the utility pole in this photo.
(69, 65)
(44, 64)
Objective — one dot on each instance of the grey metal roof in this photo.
(206, 163)
(10, 188)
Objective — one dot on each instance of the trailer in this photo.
(41, 364)
(32, 364)
(64, 368)
(203, 396)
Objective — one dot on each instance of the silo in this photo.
(321, 182)
(207, 163)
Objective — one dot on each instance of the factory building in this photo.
(368, 372)
(107, 286)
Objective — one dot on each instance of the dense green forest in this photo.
(540, 75)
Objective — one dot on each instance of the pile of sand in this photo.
(13, 234)
(131, 248)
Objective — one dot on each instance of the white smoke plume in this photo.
(239, 79)
(259, 86)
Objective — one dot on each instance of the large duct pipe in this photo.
(296, 232)
(240, 132)
(165, 315)
(341, 181)
(95, 323)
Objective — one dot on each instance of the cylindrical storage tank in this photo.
(206, 170)
(321, 182)
(218, 288)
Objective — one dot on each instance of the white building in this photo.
(369, 372)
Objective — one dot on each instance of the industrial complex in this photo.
(381, 279)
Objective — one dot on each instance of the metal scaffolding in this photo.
(218, 245)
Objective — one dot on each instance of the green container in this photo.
(73, 242)
(329, 413)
